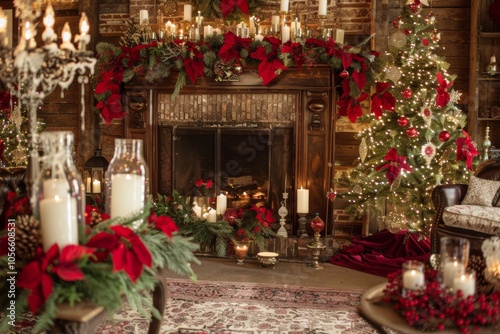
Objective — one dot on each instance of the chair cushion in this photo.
(485, 219)
(482, 192)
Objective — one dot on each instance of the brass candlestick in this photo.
(321, 28)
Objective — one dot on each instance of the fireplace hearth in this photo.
(249, 139)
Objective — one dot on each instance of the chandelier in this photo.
(33, 72)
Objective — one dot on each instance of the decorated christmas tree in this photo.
(13, 142)
(415, 138)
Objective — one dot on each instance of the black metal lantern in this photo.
(94, 176)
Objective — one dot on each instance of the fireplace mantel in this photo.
(312, 95)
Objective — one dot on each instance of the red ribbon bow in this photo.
(382, 99)
(443, 97)
(394, 165)
(465, 149)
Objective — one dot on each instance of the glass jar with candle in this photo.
(58, 193)
(127, 180)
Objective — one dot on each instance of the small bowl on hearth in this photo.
(267, 259)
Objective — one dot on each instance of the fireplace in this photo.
(249, 139)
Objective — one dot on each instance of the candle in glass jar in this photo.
(96, 186)
(413, 280)
(450, 270)
(465, 282)
(240, 250)
(128, 192)
(58, 221)
(302, 200)
(87, 186)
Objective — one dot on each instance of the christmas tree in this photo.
(13, 143)
(415, 139)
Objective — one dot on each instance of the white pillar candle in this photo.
(211, 216)
(252, 25)
(450, 270)
(275, 21)
(207, 30)
(55, 187)
(197, 210)
(284, 5)
(87, 185)
(143, 16)
(465, 282)
(128, 192)
(285, 34)
(188, 9)
(302, 200)
(58, 221)
(322, 7)
(413, 280)
(96, 186)
(221, 204)
(339, 36)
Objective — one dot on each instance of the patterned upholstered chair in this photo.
(475, 218)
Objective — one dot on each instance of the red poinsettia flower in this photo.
(164, 223)
(229, 6)
(16, 205)
(36, 275)
(127, 250)
(465, 149)
(295, 50)
(111, 108)
(209, 184)
(382, 99)
(394, 165)
(263, 215)
(231, 49)
(443, 97)
(269, 67)
(110, 81)
(193, 62)
(199, 183)
(349, 106)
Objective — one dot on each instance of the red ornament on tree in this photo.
(403, 121)
(344, 74)
(444, 135)
(412, 132)
(407, 93)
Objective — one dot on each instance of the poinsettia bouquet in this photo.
(112, 259)
(251, 223)
(435, 308)
(204, 186)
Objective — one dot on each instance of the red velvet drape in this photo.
(382, 253)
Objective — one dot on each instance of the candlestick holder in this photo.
(316, 246)
(185, 28)
(283, 212)
(321, 27)
(283, 17)
(302, 232)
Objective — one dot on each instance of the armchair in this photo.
(448, 195)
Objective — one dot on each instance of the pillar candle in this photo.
(143, 16)
(87, 186)
(466, 283)
(285, 34)
(207, 30)
(128, 192)
(275, 21)
(58, 221)
(450, 270)
(187, 12)
(302, 200)
(197, 210)
(413, 280)
(322, 7)
(339, 36)
(96, 186)
(284, 5)
(221, 204)
(212, 216)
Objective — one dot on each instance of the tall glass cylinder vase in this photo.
(127, 180)
(59, 192)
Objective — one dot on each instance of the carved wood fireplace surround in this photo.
(283, 130)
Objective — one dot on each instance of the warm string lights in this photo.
(32, 72)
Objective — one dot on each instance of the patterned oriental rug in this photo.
(245, 308)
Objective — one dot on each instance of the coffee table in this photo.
(383, 317)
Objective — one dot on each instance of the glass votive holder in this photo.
(465, 282)
(454, 257)
(241, 250)
(413, 276)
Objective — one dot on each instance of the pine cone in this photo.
(28, 237)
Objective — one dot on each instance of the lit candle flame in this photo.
(48, 19)
(84, 24)
(66, 33)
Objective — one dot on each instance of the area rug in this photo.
(205, 307)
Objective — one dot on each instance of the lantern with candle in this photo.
(93, 176)
(58, 189)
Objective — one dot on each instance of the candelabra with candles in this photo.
(32, 72)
